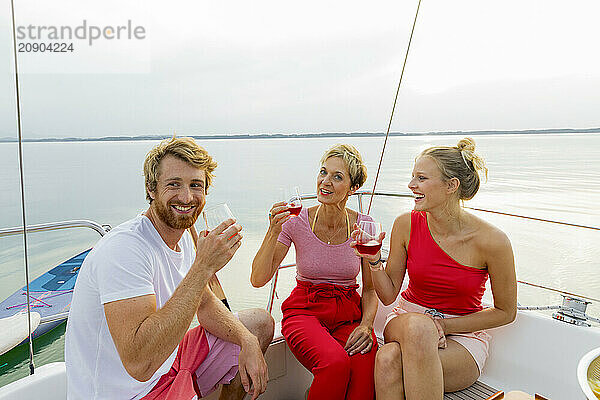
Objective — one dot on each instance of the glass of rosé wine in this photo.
(369, 238)
(293, 199)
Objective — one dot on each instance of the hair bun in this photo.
(460, 162)
(467, 144)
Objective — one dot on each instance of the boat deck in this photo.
(477, 391)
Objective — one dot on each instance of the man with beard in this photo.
(140, 287)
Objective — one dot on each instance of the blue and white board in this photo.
(50, 298)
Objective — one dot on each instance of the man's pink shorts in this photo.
(220, 365)
(203, 362)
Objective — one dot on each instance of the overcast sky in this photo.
(305, 67)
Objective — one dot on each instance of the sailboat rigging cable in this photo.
(387, 133)
(20, 146)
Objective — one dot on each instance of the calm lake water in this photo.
(544, 176)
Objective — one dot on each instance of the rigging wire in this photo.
(535, 219)
(387, 133)
(552, 222)
(558, 291)
(18, 101)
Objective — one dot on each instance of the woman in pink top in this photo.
(435, 338)
(326, 324)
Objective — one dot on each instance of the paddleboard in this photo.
(50, 299)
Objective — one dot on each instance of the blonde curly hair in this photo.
(184, 148)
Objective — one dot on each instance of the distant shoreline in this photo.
(302, 135)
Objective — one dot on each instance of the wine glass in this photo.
(369, 238)
(213, 216)
(293, 199)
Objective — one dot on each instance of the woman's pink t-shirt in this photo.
(319, 262)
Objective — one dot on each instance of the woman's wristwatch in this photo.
(377, 265)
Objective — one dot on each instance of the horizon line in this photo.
(8, 139)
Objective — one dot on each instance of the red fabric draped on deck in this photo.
(180, 382)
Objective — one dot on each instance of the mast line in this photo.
(387, 133)
(22, 180)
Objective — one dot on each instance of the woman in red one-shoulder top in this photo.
(435, 337)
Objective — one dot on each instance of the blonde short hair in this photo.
(459, 162)
(184, 148)
(353, 160)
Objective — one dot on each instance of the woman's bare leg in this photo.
(460, 369)
(388, 372)
(421, 365)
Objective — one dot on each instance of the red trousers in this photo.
(317, 320)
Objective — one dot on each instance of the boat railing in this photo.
(572, 310)
(54, 226)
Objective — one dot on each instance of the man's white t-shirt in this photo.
(131, 260)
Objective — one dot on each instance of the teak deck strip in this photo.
(477, 391)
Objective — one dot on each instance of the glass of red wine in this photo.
(293, 199)
(369, 238)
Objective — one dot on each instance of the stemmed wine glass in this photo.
(293, 199)
(369, 238)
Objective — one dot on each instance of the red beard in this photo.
(174, 220)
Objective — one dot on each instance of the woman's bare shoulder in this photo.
(353, 215)
(311, 212)
(490, 237)
(402, 221)
(401, 228)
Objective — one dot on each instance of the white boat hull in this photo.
(535, 354)
(49, 382)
